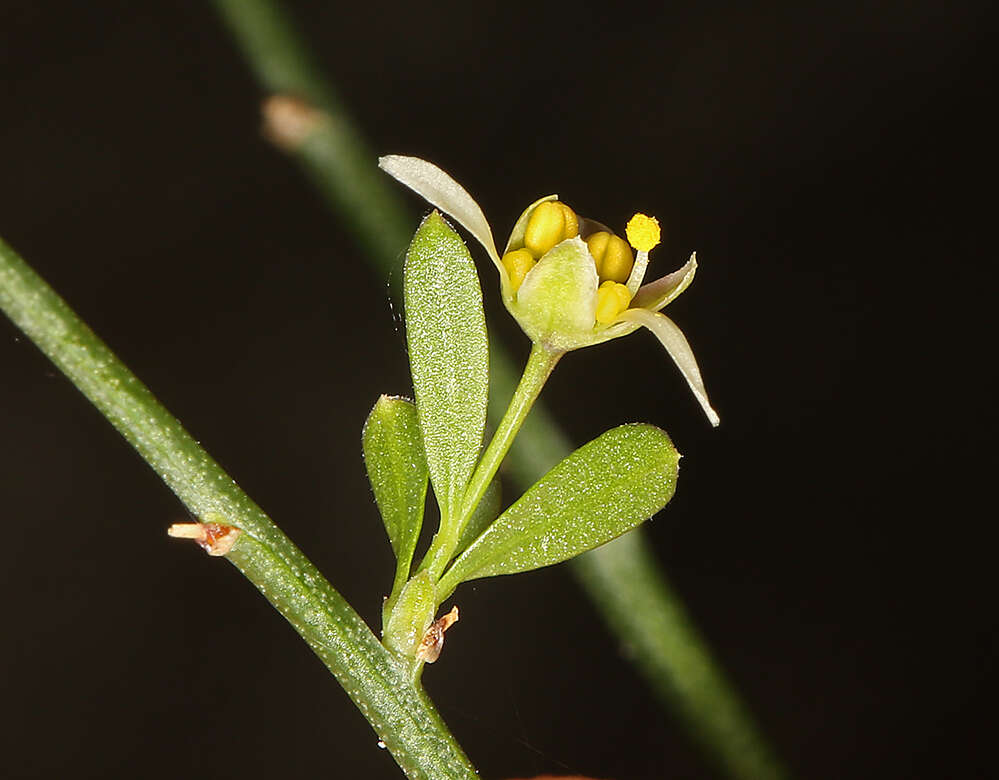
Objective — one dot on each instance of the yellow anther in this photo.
(612, 299)
(597, 244)
(571, 221)
(643, 232)
(517, 263)
(612, 255)
(549, 224)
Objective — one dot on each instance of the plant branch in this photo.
(337, 161)
(399, 711)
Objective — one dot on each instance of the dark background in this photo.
(826, 164)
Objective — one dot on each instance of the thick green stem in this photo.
(540, 365)
(398, 710)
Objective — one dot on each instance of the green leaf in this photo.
(487, 511)
(448, 356)
(397, 470)
(600, 491)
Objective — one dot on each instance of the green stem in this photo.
(402, 571)
(398, 710)
(540, 365)
(666, 645)
(335, 156)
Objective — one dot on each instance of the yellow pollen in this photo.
(612, 299)
(517, 263)
(643, 232)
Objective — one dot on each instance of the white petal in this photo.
(676, 344)
(440, 190)
(655, 295)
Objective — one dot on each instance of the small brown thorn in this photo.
(433, 640)
(215, 539)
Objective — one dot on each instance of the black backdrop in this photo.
(827, 537)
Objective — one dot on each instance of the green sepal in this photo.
(484, 514)
(603, 489)
(448, 356)
(556, 304)
(397, 469)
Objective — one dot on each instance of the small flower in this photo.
(569, 281)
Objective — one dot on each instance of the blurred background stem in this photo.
(623, 578)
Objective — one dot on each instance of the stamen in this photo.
(517, 263)
(611, 255)
(637, 275)
(571, 221)
(612, 299)
(551, 223)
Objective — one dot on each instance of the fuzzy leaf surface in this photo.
(448, 356)
(602, 490)
(397, 470)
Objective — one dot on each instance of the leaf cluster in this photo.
(600, 491)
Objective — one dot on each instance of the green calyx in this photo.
(556, 304)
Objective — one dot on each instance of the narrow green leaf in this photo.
(600, 491)
(448, 356)
(397, 469)
(487, 511)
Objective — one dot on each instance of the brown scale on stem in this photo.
(216, 539)
(433, 640)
